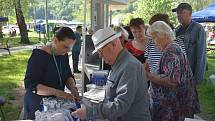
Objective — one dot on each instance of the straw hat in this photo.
(103, 36)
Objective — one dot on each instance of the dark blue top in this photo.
(77, 45)
(41, 69)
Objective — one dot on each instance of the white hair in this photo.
(161, 28)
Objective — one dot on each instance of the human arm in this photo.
(124, 89)
(163, 80)
(70, 84)
(200, 65)
(49, 91)
(169, 71)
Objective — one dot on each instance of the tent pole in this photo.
(83, 47)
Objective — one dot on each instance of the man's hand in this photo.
(80, 113)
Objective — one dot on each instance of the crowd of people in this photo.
(153, 75)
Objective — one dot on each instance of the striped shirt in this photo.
(153, 54)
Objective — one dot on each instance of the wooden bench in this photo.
(2, 102)
(5, 45)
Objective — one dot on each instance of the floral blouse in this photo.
(167, 104)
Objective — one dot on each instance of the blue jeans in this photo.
(75, 59)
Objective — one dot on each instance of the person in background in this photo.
(76, 49)
(48, 72)
(126, 97)
(138, 45)
(193, 36)
(90, 31)
(130, 35)
(124, 35)
(172, 91)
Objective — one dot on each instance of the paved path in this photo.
(20, 48)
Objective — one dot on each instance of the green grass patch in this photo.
(12, 71)
(206, 91)
(15, 41)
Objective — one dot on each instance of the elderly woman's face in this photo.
(157, 40)
(138, 32)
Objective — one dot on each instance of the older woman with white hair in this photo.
(172, 90)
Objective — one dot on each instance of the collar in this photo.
(122, 55)
(189, 26)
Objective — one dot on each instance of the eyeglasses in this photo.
(100, 51)
(66, 46)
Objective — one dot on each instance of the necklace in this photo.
(59, 71)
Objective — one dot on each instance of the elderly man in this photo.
(126, 97)
(194, 37)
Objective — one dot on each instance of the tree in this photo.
(196, 4)
(1, 8)
(147, 8)
(21, 22)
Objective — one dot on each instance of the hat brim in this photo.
(174, 10)
(106, 42)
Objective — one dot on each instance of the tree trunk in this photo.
(1, 9)
(21, 22)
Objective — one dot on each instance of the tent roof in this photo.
(3, 19)
(205, 15)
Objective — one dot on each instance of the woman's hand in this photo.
(169, 82)
(64, 95)
(76, 94)
(70, 84)
(146, 67)
(80, 113)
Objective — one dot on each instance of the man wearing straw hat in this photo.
(126, 97)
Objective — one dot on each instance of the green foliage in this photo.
(127, 18)
(8, 9)
(147, 8)
(79, 13)
(196, 4)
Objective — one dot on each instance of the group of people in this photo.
(153, 77)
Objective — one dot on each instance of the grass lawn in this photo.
(12, 70)
(206, 91)
(15, 41)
